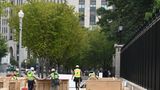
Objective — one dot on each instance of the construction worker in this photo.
(77, 77)
(54, 79)
(17, 72)
(92, 76)
(14, 77)
(31, 77)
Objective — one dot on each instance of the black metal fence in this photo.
(140, 58)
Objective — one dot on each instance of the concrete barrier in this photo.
(14, 85)
(46, 84)
(1, 84)
(104, 84)
(127, 85)
(7, 84)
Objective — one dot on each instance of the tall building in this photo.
(86, 9)
(7, 34)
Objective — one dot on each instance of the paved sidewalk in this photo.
(71, 82)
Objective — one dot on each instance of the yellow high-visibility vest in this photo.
(14, 78)
(77, 72)
(54, 75)
(30, 75)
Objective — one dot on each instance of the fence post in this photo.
(117, 59)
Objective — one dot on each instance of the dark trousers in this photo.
(54, 84)
(30, 84)
(77, 82)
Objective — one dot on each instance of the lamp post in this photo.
(21, 15)
(120, 28)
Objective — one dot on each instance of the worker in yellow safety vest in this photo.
(31, 77)
(92, 76)
(14, 77)
(54, 79)
(77, 76)
(15, 74)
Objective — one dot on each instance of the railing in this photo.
(140, 58)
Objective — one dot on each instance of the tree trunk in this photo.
(41, 62)
(47, 66)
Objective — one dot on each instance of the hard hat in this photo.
(77, 66)
(52, 69)
(32, 68)
(26, 70)
(17, 69)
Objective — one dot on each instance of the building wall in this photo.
(7, 33)
(90, 16)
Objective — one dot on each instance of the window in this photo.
(103, 2)
(81, 2)
(92, 2)
(6, 37)
(81, 10)
(81, 16)
(92, 19)
(93, 9)
(92, 15)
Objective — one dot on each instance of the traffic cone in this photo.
(24, 88)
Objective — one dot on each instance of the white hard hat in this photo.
(77, 66)
(52, 69)
(32, 68)
(17, 69)
(26, 70)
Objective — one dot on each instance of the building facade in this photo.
(87, 10)
(7, 34)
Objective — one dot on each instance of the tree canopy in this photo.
(3, 5)
(3, 47)
(51, 31)
(127, 13)
(99, 53)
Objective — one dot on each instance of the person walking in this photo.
(31, 78)
(54, 79)
(77, 77)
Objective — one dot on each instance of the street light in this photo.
(120, 28)
(21, 15)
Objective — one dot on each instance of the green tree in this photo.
(99, 53)
(3, 5)
(127, 13)
(51, 31)
(3, 48)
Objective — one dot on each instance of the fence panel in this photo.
(140, 58)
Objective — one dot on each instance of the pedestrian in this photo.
(109, 73)
(54, 79)
(77, 77)
(31, 78)
(105, 73)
